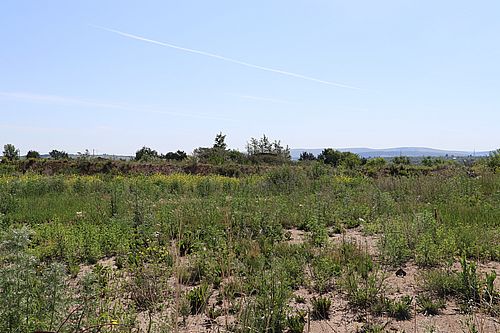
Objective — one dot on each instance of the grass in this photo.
(192, 245)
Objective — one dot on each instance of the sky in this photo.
(113, 76)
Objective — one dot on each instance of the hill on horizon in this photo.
(393, 152)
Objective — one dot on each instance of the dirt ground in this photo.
(343, 319)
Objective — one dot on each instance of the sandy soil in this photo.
(342, 317)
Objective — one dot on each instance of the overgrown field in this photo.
(299, 248)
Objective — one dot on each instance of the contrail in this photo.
(264, 99)
(235, 61)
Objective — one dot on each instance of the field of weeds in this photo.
(295, 249)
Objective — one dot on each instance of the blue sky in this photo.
(419, 73)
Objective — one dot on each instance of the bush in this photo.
(146, 154)
(33, 294)
(493, 159)
(401, 160)
(58, 155)
(33, 154)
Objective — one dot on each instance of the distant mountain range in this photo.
(393, 152)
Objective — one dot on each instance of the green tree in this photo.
(10, 153)
(350, 160)
(337, 158)
(401, 160)
(33, 154)
(177, 156)
(430, 161)
(493, 159)
(306, 156)
(330, 156)
(220, 142)
(58, 154)
(377, 162)
(146, 154)
(264, 150)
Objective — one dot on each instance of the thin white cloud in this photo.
(54, 99)
(40, 129)
(263, 99)
(223, 58)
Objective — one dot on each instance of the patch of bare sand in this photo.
(447, 322)
(398, 286)
(356, 236)
(296, 236)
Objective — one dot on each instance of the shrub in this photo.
(32, 154)
(58, 155)
(493, 159)
(401, 160)
(33, 295)
(146, 154)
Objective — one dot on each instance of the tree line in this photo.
(258, 150)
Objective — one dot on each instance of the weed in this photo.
(296, 322)
(428, 306)
(198, 298)
(320, 308)
(401, 308)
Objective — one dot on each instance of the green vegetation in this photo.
(33, 154)
(114, 250)
(10, 152)
(58, 155)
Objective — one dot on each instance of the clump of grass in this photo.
(324, 268)
(401, 308)
(363, 292)
(320, 308)
(296, 322)
(428, 306)
(146, 288)
(466, 285)
(300, 299)
(372, 328)
(440, 282)
(198, 298)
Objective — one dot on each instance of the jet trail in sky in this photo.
(216, 56)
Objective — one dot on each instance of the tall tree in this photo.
(10, 153)
(220, 142)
